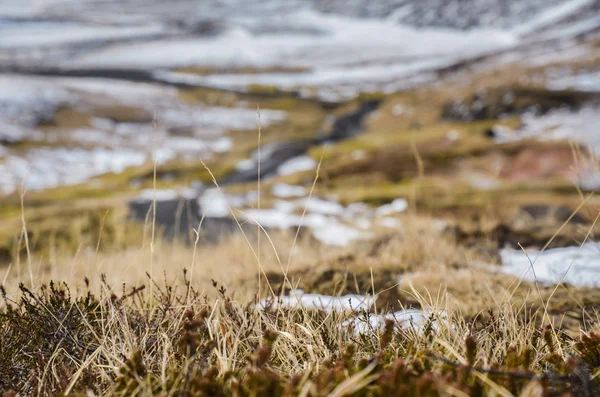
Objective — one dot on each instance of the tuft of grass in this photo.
(126, 342)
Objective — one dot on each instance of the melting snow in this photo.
(320, 206)
(398, 205)
(296, 164)
(551, 16)
(334, 233)
(299, 299)
(166, 194)
(215, 203)
(24, 102)
(285, 191)
(409, 318)
(43, 168)
(580, 126)
(582, 82)
(578, 266)
(321, 218)
(404, 319)
(391, 223)
(54, 34)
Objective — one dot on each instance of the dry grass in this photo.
(193, 329)
(173, 319)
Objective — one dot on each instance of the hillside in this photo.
(313, 198)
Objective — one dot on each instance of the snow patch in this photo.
(42, 168)
(578, 266)
(215, 203)
(551, 16)
(299, 299)
(404, 319)
(398, 205)
(296, 164)
(166, 194)
(283, 190)
(320, 206)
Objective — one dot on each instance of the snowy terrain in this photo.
(326, 43)
(27, 101)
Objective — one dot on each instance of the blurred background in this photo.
(481, 116)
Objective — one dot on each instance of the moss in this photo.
(263, 89)
(372, 96)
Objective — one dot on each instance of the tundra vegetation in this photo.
(435, 239)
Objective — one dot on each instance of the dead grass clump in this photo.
(177, 342)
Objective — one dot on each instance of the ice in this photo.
(296, 164)
(322, 217)
(578, 266)
(283, 190)
(299, 299)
